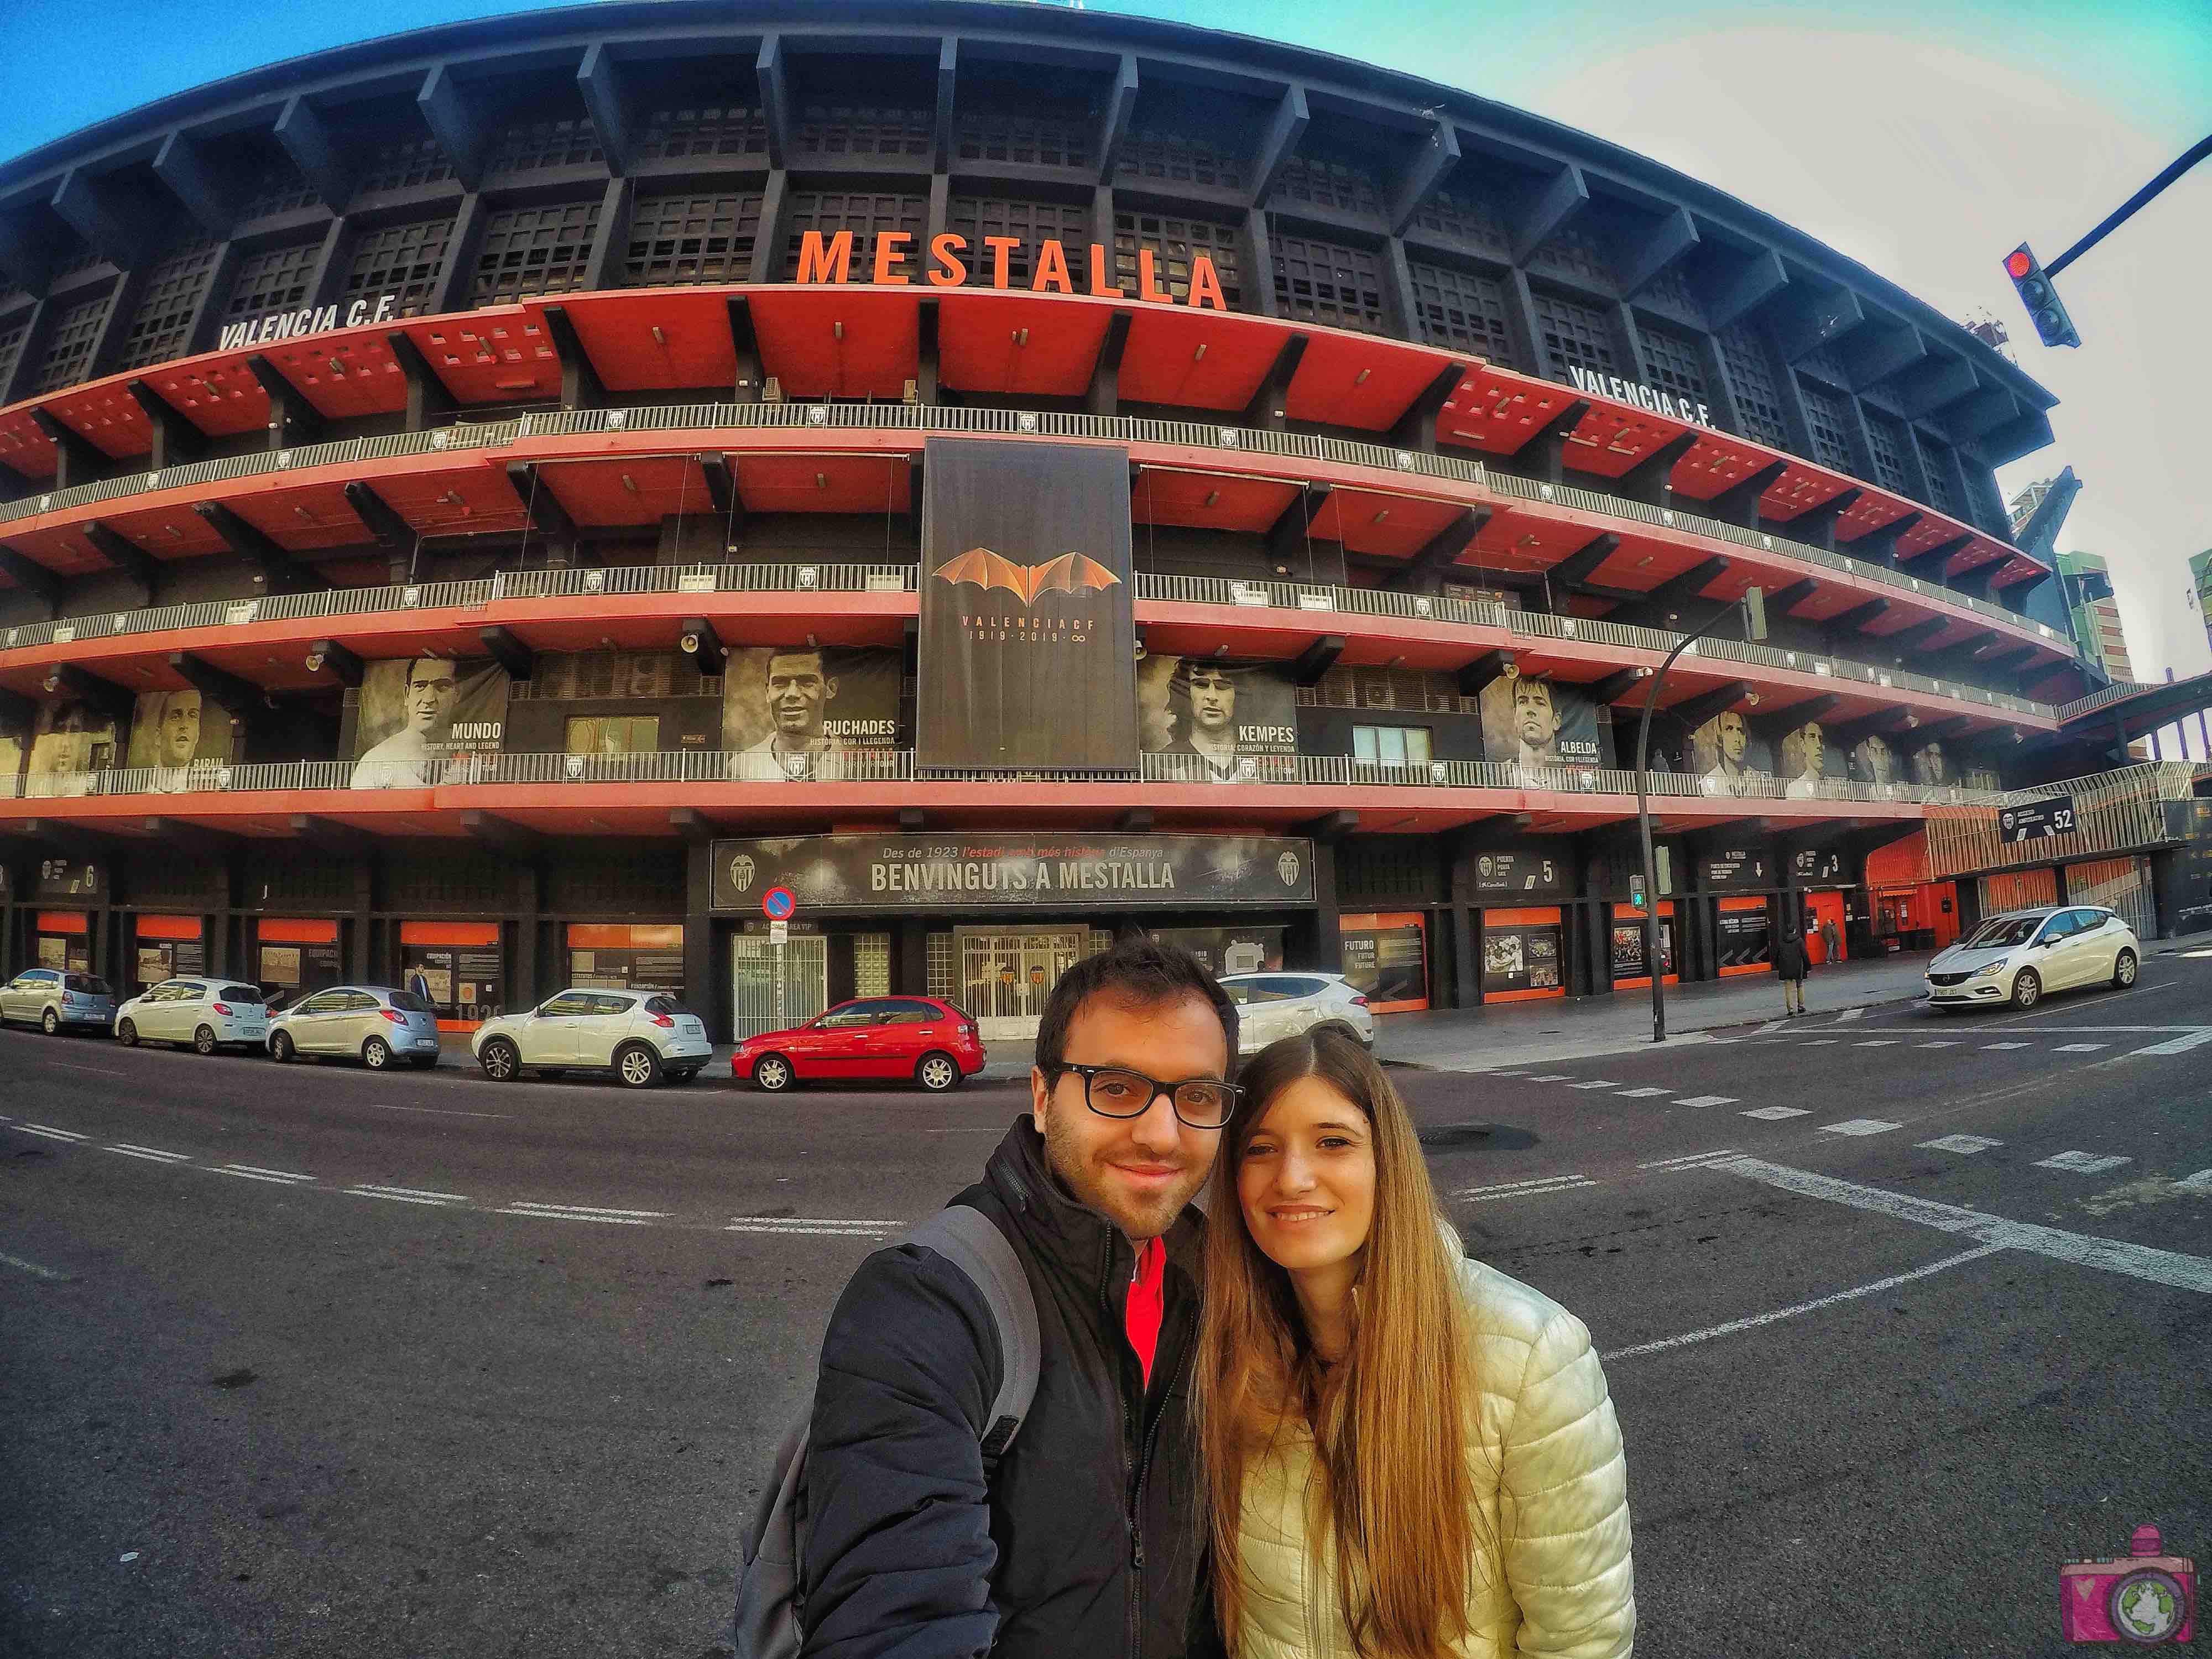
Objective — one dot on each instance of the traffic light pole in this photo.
(1652, 958)
(2128, 209)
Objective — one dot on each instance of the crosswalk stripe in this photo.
(2083, 1163)
(1595, 1083)
(1823, 1043)
(1706, 1100)
(2004, 1045)
(1939, 1045)
(2180, 1045)
(1644, 1094)
(1877, 1042)
(1860, 1126)
(1553, 1077)
(1525, 1188)
(2081, 1048)
(1967, 1144)
(1685, 1161)
(1775, 1114)
(2199, 1182)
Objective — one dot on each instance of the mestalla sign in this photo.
(1058, 870)
(1672, 406)
(308, 319)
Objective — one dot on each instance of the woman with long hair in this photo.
(1410, 1454)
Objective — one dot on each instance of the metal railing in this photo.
(2113, 812)
(2117, 691)
(926, 418)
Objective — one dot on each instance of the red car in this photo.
(879, 1039)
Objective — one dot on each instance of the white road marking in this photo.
(1524, 1189)
(35, 1269)
(540, 1214)
(2187, 1272)
(1686, 1161)
(1775, 1114)
(1706, 1100)
(52, 1134)
(1771, 1027)
(589, 1209)
(1946, 1044)
(1644, 1094)
(1757, 1320)
(1860, 1126)
(1823, 1043)
(1877, 1042)
(1595, 1083)
(2199, 1182)
(426, 1111)
(148, 1154)
(821, 1225)
(2080, 1047)
(2180, 1045)
(1849, 1015)
(406, 1194)
(2083, 1163)
(105, 1071)
(1553, 1077)
(2007, 1045)
(249, 1172)
(1968, 1144)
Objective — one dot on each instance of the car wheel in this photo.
(127, 1035)
(376, 1054)
(773, 1072)
(501, 1060)
(638, 1067)
(938, 1074)
(204, 1040)
(2027, 989)
(280, 1047)
(51, 1024)
(2123, 971)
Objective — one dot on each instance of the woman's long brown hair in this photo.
(1390, 1421)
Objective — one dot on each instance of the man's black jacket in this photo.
(1087, 1542)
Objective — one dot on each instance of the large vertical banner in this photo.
(422, 721)
(1028, 651)
(1223, 722)
(181, 737)
(801, 714)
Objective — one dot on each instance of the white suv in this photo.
(1280, 1005)
(636, 1034)
(208, 1014)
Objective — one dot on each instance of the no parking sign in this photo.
(777, 904)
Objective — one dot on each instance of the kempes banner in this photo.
(1223, 722)
(1053, 869)
(1028, 650)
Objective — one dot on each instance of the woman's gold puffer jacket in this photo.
(1550, 1479)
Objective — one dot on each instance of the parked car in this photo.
(208, 1014)
(1280, 1005)
(879, 1039)
(50, 999)
(377, 1024)
(639, 1036)
(2015, 958)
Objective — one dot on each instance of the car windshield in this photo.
(2004, 932)
(239, 994)
(408, 1003)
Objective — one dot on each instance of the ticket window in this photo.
(1523, 955)
(1386, 958)
(1745, 944)
(619, 957)
(458, 967)
(295, 956)
(165, 947)
(1630, 970)
(64, 941)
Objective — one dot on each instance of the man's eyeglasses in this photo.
(1203, 1102)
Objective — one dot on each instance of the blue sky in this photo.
(1924, 140)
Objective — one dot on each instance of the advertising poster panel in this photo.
(1876, 761)
(1524, 868)
(1808, 758)
(1221, 722)
(1727, 758)
(1540, 725)
(1058, 870)
(422, 721)
(801, 714)
(1745, 944)
(69, 739)
(1228, 950)
(1629, 960)
(182, 738)
(1522, 952)
(1028, 647)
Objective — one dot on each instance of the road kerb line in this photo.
(1814, 1306)
(577, 1215)
(589, 1209)
(51, 1133)
(35, 1270)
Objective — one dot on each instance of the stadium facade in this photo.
(499, 503)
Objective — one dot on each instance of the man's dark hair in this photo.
(1137, 970)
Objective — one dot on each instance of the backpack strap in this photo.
(972, 1242)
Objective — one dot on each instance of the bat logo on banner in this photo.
(1071, 573)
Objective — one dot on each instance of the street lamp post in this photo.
(1753, 607)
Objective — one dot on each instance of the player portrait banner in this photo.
(1220, 722)
(1539, 725)
(422, 721)
(1045, 869)
(801, 715)
(184, 739)
(1028, 647)
(69, 740)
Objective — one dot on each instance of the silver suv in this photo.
(1279, 1005)
(379, 1025)
(50, 998)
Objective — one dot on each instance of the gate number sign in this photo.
(777, 904)
(2039, 820)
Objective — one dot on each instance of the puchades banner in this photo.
(1028, 648)
(1538, 725)
(181, 736)
(420, 721)
(1222, 722)
(1049, 870)
(802, 715)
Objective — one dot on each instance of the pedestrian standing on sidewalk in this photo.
(1831, 941)
(1789, 964)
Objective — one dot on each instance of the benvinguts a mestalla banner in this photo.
(1055, 869)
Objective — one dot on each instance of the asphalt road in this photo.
(306, 1360)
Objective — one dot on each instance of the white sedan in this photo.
(208, 1014)
(639, 1036)
(2015, 958)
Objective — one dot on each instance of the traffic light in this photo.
(2052, 326)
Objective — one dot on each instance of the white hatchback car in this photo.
(638, 1036)
(1280, 1005)
(2017, 958)
(208, 1014)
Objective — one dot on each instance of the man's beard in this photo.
(1136, 1215)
